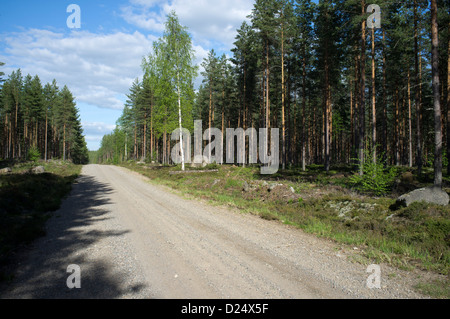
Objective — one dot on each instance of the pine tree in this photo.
(51, 92)
(65, 118)
(1, 73)
(303, 46)
(211, 82)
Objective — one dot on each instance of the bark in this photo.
(46, 134)
(64, 143)
(283, 89)
(374, 113)
(448, 100)
(304, 115)
(436, 96)
(180, 123)
(362, 105)
(417, 94)
(410, 153)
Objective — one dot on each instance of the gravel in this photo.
(135, 240)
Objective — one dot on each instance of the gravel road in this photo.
(133, 239)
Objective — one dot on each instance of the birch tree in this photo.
(176, 49)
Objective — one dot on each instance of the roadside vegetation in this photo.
(26, 203)
(331, 206)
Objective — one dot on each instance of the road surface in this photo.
(134, 239)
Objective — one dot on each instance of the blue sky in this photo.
(100, 60)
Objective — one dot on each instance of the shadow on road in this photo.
(73, 234)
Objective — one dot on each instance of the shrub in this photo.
(33, 154)
(376, 178)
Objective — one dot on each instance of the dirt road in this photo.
(132, 239)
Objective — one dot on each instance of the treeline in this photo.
(334, 85)
(39, 120)
(157, 105)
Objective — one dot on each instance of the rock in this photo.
(390, 217)
(292, 190)
(200, 161)
(433, 195)
(38, 170)
(273, 186)
(245, 187)
(6, 170)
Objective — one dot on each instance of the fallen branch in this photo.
(195, 171)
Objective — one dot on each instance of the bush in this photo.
(33, 154)
(376, 178)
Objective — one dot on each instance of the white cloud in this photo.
(97, 128)
(97, 68)
(94, 132)
(211, 22)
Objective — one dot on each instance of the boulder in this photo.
(38, 170)
(432, 195)
(200, 162)
(6, 170)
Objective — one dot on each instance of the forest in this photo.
(341, 88)
(39, 122)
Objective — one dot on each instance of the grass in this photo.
(26, 201)
(326, 205)
(437, 289)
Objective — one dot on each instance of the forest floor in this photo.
(327, 205)
(26, 203)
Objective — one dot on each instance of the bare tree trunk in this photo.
(410, 154)
(349, 155)
(417, 94)
(385, 119)
(267, 93)
(436, 96)
(46, 133)
(374, 113)
(362, 106)
(283, 89)
(180, 123)
(135, 141)
(151, 129)
(144, 143)
(448, 101)
(303, 116)
(397, 129)
(64, 143)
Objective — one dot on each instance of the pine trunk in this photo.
(374, 113)
(362, 106)
(436, 96)
(417, 94)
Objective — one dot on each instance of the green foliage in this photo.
(376, 178)
(33, 154)
(40, 116)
